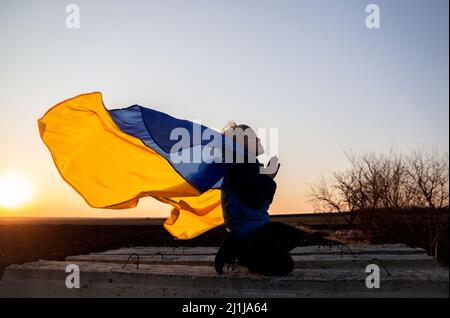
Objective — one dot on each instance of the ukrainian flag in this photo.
(112, 158)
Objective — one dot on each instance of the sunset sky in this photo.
(311, 68)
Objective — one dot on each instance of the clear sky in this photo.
(309, 68)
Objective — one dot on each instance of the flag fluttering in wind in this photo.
(112, 158)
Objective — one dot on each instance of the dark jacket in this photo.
(246, 196)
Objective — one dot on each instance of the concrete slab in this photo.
(188, 272)
(302, 261)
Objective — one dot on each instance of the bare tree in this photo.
(329, 198)
(429, 183)
(391, 186)
(429, 179)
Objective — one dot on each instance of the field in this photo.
(29, 239)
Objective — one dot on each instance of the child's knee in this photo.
(279, 266)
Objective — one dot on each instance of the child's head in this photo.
(245, 136)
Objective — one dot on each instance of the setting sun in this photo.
(15, 190)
